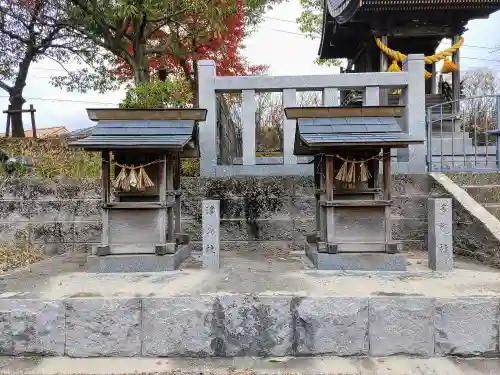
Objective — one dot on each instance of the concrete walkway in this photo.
(243, 366)
(249, 272)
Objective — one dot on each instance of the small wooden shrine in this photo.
(353, 207)
(141, 191)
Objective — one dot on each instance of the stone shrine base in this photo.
(259, 304)
(138, 262)
(355, 261)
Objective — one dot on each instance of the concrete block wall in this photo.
(233, 325)
(256, 213)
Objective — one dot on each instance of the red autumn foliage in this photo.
(224, 48)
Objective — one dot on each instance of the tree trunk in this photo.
(140, 62)
(194, 84)
(16, 118)
(16, 95)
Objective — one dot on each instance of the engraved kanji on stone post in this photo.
(211, 220)
(440, 232)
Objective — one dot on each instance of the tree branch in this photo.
(6, 87)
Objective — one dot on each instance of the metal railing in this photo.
(459, 141)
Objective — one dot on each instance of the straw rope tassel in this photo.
(342, 174)
(121, 181)
(364, 172)
(351, 175)
(144, 180)
(132, 177)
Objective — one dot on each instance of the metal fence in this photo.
(459, 138)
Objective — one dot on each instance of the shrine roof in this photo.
(351, 130)
(152, 129)
(313, 134)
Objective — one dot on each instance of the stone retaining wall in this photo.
(257, 213)
(249, 325)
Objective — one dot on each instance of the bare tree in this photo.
(479, 107)
(29, 31)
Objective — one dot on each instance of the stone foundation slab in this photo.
(355, 261)
(138, 262)
(242, 325)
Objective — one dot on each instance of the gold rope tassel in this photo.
(394, 67)
(449, 66)
(342, 174)
(364, 172)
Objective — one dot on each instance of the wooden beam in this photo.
(177, 188)
(170, 195)
(105, 195)
(33, 124)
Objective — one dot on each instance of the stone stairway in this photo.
(483, 187)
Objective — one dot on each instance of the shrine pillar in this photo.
(415, 113)
(384, 64)
(455, 77)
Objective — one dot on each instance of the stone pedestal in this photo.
(440, 234)
(211, 223)
(138, 262)
(355, 261)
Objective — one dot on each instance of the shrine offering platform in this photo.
(257, 304)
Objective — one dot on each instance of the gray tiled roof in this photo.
(159, 134)
(351, 130)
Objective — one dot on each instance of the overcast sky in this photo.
(277, 43)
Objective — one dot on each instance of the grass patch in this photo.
(18, 255)
(53, 159)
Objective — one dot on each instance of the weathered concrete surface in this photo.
(251, 272)
(32, 327)
(467, 326)
(307, 366)
(403, 325)
(256, 326)
(332, 326)
(180, 326)
(103, 327)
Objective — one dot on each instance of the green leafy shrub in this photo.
(190, 167)
(173, 92)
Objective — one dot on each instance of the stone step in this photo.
(326, 365)
(493, 208)
(456, 164)
(264, 306)
(450, 146)
(485, 193)
(476, 179)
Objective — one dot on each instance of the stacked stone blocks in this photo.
(232, 325)
(260, 213)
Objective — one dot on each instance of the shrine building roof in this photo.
(316, 133)
(156, 129)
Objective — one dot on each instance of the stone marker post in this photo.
(440, 234)
(211, 222)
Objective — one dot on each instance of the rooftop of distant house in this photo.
(53, 131)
